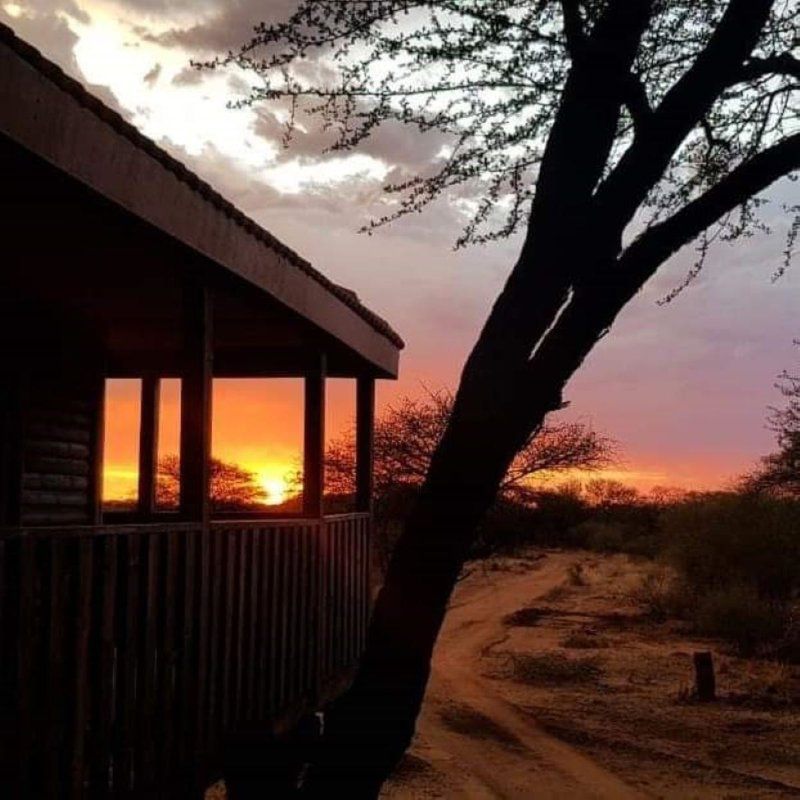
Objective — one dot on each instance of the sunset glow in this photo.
(276, 489)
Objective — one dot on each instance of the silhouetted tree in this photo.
(233, 488)
(408, 433)
(614, 132)
(780, 472)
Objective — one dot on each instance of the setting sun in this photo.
(276, 490)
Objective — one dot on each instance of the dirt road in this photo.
(472, 743)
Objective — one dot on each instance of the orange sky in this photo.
(259, 425)
(256, 423)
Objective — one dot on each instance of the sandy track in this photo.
(471, 743)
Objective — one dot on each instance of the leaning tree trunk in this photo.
(371, 726)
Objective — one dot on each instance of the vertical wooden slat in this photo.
(9, 723)
(167, 658)
(290, 659)
(129, 605)
(339, 599)
(148, 709)
(359, 585)
(200, 696)
(366, 568)
(186, 664)
(265, 632)
(306, 619)
(257, 541)
(104, 668)
(274, 619)
(57, 691)
(216, 642)
(322, 605)
(228, 625)
(283, 600)
(81, 661)
(351, 590)
(26, 664)
(241, 588)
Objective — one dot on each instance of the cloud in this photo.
(224, 26)
(45, 25)
(188, 76)
(151, 76)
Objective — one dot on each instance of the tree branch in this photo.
(573, 27)
(661, 241)
(596, 302)
(636, 101)
(781, 64)
(681, 110)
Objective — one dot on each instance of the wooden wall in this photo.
(60, 417)
(51, 394)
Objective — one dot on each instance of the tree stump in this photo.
(705, 681)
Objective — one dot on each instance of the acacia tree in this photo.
(611, 133)
(233, 488)
(406, 437)
(408, 433)
(779, 472)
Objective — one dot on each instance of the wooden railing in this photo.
(130, 652)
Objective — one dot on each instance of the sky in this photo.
(684, 387)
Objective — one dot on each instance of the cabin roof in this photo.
(53, 115)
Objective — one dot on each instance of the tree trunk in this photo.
(371, 726)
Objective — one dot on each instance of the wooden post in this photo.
(314, 439)
(148, 444)
(705, 681)
(11, 464)
(365, 442)
(196, 403)
(96, 453)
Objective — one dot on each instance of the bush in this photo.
(738, 557)
(737, 614)
(662, 594)
(743, 540)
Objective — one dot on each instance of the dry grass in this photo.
(468, 722)
(552, 668)
(576, 575)
(557, 593)
(527, 617)
(584, 640)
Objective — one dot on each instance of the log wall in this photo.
(58, 452)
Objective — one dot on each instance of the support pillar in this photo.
(148, 444)
(314, 439)
(11, 440)
(97, 448)
(365, 442)
(196, 377)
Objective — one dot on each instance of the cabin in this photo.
(133, 644)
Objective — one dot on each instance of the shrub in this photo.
(737, 614)
(738, 560)
(662, 594)
(730, 539)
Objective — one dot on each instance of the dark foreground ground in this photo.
(550, 681)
